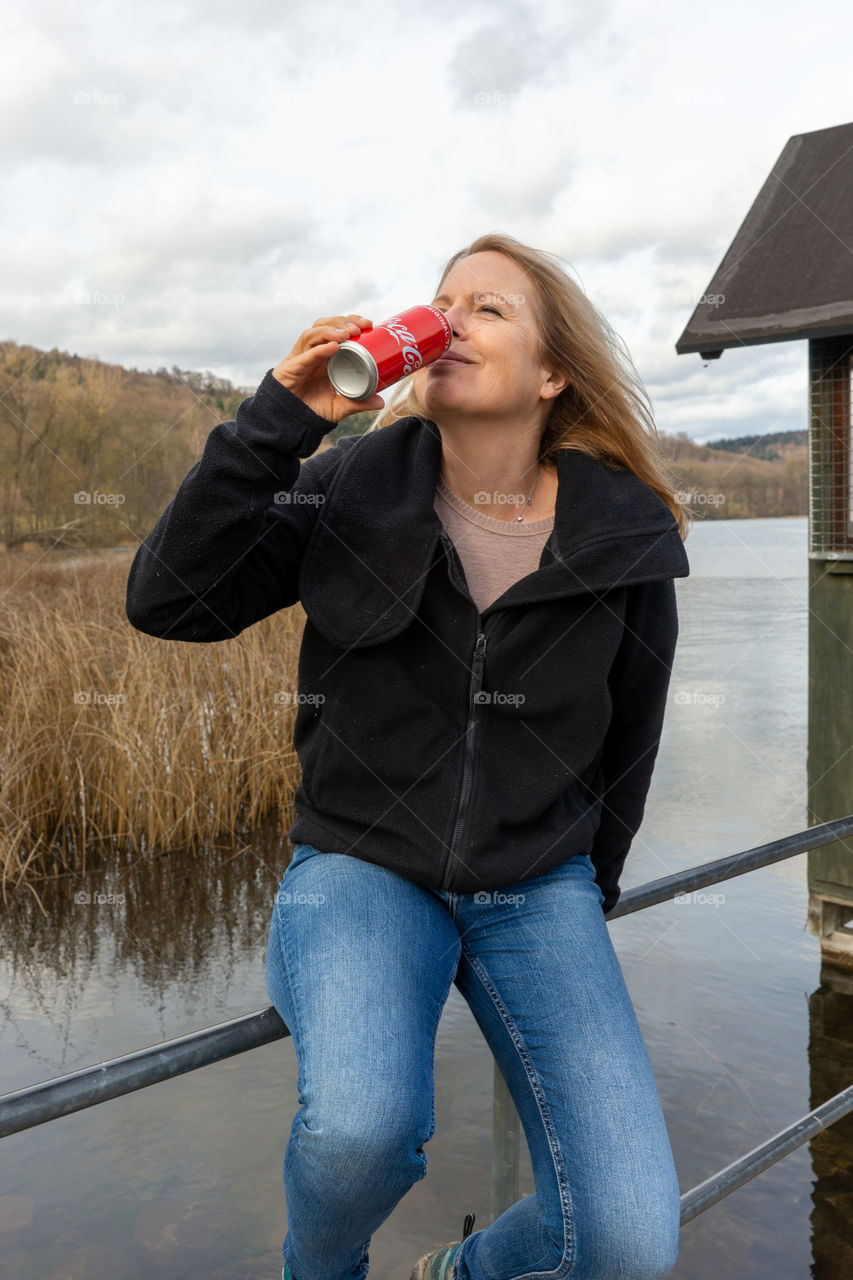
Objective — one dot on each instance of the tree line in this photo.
(91, 453)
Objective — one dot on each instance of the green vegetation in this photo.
(763, 446)
(355, 425)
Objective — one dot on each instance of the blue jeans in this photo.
(359, 966)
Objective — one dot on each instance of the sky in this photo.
(193, 184)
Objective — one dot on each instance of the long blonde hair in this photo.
(604, 411)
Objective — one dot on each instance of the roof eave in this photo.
(709, 342)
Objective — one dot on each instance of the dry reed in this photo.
(109, 737)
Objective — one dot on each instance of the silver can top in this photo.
(352, 372)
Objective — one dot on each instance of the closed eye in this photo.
(493, 310)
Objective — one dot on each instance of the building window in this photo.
(830, 469)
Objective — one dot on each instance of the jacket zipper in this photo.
(475, 686)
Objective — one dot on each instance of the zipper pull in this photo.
(480, 655)
(477, 668)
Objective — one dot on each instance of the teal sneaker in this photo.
(439, 1264)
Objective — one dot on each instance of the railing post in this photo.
(506, 1134)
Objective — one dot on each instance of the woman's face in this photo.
(492, 367)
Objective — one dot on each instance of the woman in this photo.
(490, 627)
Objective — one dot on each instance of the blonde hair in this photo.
(604, 411)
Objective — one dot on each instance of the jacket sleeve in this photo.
(226, 551)
(638, 683)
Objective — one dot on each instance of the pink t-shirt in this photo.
(494, 553)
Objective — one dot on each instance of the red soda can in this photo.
(382, 355)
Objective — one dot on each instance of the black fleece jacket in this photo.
(463, 750)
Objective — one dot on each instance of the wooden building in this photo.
(788, 274)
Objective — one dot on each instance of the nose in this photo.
(456, 320)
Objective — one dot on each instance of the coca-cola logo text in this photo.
(412, 358)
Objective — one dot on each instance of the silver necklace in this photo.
(518, 519)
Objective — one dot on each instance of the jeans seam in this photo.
(283, 935)
(547, 1124)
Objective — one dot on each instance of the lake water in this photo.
(744, 1031)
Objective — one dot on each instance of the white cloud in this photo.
(237, 170)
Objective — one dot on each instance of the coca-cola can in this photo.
(382, 355)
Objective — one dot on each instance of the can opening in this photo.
(350, 374)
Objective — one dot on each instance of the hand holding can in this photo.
(372, 361)
(303, 370)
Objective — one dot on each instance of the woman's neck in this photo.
(499, 486)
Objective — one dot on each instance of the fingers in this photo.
(375, 402)
(317, 335)
(303, 370)
(360, 321)
(330, 329)
(302, 362)
(335, 329)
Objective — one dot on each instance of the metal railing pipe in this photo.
(62, 1096)
(86, 1088)
(760, 1158)
(737, 864)
(506, 1147)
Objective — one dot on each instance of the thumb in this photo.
(364, 406)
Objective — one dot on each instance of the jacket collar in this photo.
(376, 535)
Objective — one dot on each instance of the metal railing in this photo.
(64, 1095)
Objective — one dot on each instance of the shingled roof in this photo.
(788, 272)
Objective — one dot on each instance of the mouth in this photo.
(453, 357)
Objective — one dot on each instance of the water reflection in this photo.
(831, 1062)
(178, 921)
(744, 1030)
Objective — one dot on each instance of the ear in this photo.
(552, 386)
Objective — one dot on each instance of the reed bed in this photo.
(110, 738)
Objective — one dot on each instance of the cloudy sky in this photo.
(192, 184)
